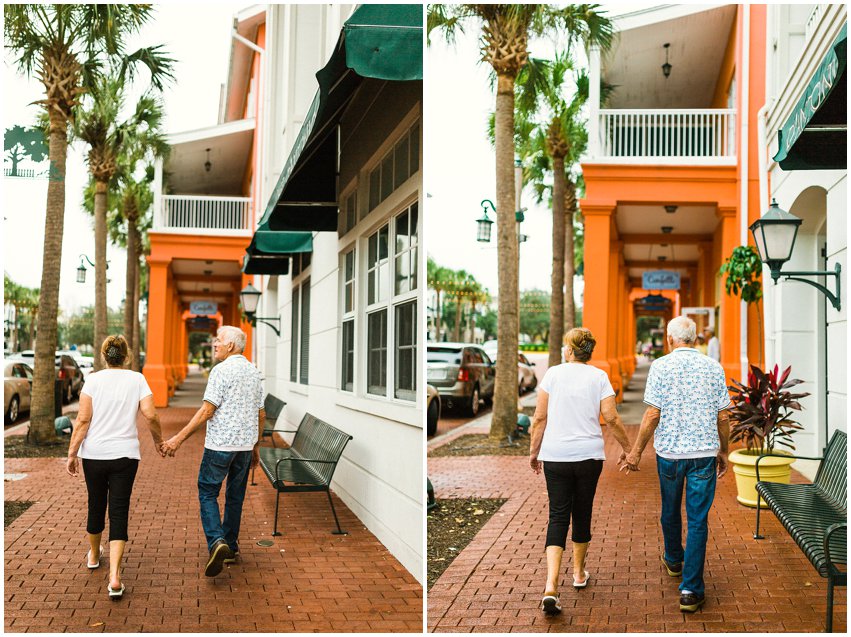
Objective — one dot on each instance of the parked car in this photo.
(85, 363)
(526, 378)
(17, 389)
(432, 409)
(67, 371)
(462, 373)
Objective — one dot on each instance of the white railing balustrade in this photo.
(703, 135)
(203, 214)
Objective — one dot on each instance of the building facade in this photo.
(807, 175)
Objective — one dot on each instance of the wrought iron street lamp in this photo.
(81, 269)
(484, 226)
(249, 296)
(774, 234)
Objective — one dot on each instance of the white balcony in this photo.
(664, 136)
(196, 214)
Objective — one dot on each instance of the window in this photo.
(300, 331)
(406, 351)
(400, 162)
(348, 213)
(376, 368)
(347, 380)
(406, 251)
(378, 266)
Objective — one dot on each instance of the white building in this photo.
(337, 255)
(807, 172)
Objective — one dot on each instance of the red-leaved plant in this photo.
(762, 409)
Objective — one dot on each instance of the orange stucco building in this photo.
(672, 175)
(205, 209)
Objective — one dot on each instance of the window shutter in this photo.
(305, 331)
(294, 339)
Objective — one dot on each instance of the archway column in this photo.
(614, 318)
(730, 306)
(155, 370)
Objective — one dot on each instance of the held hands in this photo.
(169, 447)
(629, 461)
(72, 467)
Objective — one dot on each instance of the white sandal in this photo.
(581, 584)
(96, 564)
(115, 594)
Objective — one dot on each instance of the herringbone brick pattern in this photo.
(309, 581)
(496, 583)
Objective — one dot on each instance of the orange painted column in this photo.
(184, 349)
(155, 369)
(728, 328)
(169, 339)
(623, 350)
(244, 325)
(595, 309)
(615, 249)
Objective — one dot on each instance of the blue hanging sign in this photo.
(203, 308)
(660, 280)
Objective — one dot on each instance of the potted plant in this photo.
(761, 418)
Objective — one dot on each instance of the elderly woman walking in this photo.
(568, 440)
(106, 438)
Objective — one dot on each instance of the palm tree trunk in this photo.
(457, 319)
(504, 419)
(437, 319)
(130, 287)
(556, 334)
(569, 268)
(44, 375)
(100, 272)
(473, 321)
(137, 325)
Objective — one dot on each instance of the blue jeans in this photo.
(215, 467)
(697, 475)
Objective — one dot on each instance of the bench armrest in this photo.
(827, 535)
(280, 460)
(268, 431)
(781, 455)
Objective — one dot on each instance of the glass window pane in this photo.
(383, 274)
(372, 255)
(350, 297)
(402, 241)
(371, 289)
(383, 236)
(405, 351)
(374, 187)
(387, 176)
(400, 159)
(350, 265)
(348, 358)
(414, 221)
(376, 371)
(415, 149)
(402, 274)
(413, 285)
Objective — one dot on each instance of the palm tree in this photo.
(63, 46)
(99, 125)
(505, 31)
(439, 279)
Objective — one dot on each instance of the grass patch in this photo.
(481, 445)
(17, 447)
(451, 527)
(12, 510)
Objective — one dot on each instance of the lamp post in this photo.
(774, 234)
(484, 226)
(81, 269)
(249, 297)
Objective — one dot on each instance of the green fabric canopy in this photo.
(378, 41)
(814, 136)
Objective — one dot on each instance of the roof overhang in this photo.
(245, 23)
(814, 136)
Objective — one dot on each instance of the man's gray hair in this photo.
(233, 335)
(682, 329)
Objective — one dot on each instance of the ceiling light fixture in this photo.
(670, 209)
(208, 164)
(667, 229)
(666, 67)
(662, 258)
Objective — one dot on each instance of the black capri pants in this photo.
(571, 487)
(109, 482)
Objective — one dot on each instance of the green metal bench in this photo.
(816, 515)
(273, 406)
(308, 464)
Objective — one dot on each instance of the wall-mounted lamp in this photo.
(666, 67)
(249, 296)
(774, 234)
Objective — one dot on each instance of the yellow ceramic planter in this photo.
(770, 470)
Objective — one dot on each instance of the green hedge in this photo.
(534, 347)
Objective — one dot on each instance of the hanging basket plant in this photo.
(743, 272)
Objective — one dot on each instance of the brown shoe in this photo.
(675, 569)
(690, 602)
(218, 554)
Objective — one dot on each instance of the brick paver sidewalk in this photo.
(496, 583)
(309, 581)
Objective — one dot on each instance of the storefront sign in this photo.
(660, 280)
(203, 308)
(201, 323)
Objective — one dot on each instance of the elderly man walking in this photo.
(233, 411)
(687, 402)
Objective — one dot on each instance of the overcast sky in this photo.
(200, 42)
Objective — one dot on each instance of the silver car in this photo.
(17, 389)
(462, 373)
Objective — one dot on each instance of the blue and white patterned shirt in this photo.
(235, 389)
(689, 389)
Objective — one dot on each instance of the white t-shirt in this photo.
(573, 430)
(115, 394)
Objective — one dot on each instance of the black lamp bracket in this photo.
(253, 320)
(794, 276)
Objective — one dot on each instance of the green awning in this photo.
(379, 41)
(266, 264)
(270, 251)
(814, 136)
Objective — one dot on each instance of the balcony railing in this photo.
(701, 136)
(204, 215)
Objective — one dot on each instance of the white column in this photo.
(594, 102)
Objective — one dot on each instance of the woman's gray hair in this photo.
(233, 335)
(682, 329)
